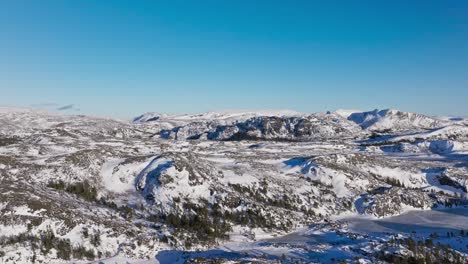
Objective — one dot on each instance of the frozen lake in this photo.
(421, 222)
(324, 245)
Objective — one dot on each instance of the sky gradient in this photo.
(122, 58)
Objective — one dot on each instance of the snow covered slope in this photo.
(394, 120)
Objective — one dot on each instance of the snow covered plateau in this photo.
(383, 186)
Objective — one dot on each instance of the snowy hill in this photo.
(394, 120)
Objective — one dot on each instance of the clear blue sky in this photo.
(121, 58)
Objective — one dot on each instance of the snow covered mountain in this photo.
(394, 120)
(252, 125)
(315, 126)
(221, 117)
(192, 126)
(234, 187)
(287, 125)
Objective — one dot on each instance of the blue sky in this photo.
(121, 58)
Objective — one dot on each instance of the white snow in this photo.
(12, 230)
(26, 211)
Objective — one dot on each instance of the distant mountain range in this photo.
(289, 125)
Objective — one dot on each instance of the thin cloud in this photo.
(44, 105)
(68, 107)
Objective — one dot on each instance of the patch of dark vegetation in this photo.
(259, 195)
(46, 241)
(254, 217)
(379, 190)
(33, 223)
(445, 180)
(386, 142)
(5, 141)
(81, 252)
(394, 182)
(125, 211)
(241, 136)
(96, 238)
(451, 202)
(81, 189)
(377, 135)
(37, 205)
(110, 204)
(133, 159)
(421, 252)
(9, 160)
(84, 158)
(205, 224)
